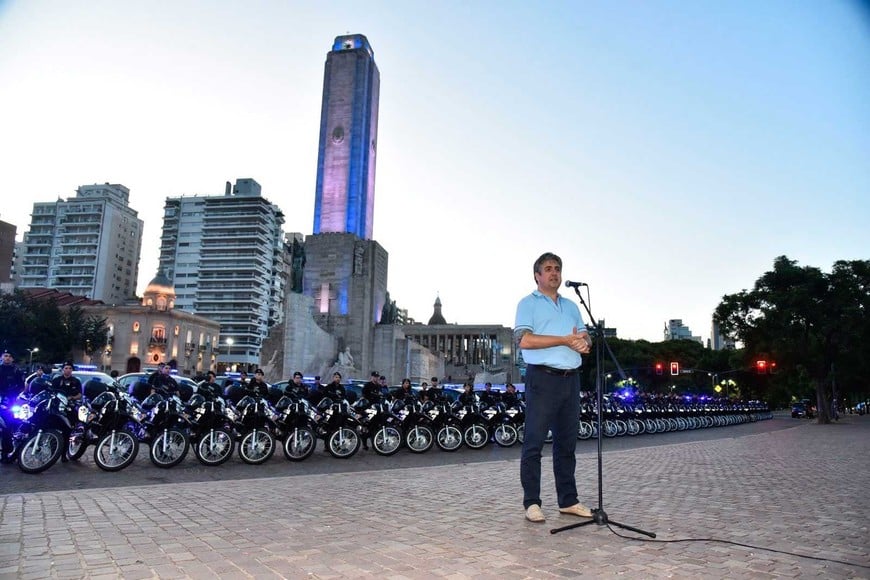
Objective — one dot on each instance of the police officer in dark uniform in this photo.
(296, 389)
(66, 384)
(371, 391)
(209, 387)
(335, 390)
(11, 384)
(162, 382)
(258, 385)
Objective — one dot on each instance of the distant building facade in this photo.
(345, 188)
(7, 255)
(88, 245)
(225, 257)
(142, 335)
(676, 330)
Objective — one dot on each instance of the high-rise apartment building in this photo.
(7, 253)
(88, 245)
(345, 192)
(224, 255)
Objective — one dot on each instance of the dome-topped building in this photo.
(160, 293)
(437, 317)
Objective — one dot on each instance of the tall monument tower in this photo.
(345, 192)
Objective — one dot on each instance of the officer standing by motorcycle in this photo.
(66, 384)
(296, 389)
(11, 384)
(258, 385)
(209, 387)
(467, 397)
(371, 391)
(162, 382)
(335, 390)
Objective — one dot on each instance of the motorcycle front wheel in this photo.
(299, 444)
(40, 451)
(169, 448)
(77, 443)
(215, 447)
(387, 440)
(505, 435)
(116, 450)
(256, 447)
(448, 438)
(476, 436)
(343, 443)
(420, 439)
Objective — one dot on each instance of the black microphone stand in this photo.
(599, 516)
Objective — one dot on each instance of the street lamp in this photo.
(31, 351)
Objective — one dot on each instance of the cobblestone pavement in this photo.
(802, 490)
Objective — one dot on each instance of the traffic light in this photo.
(660, 369)
(771, 367)
(675, 368)
(761, 367)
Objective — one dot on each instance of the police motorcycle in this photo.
(473, 424)
(296, 426)
(415, 424)
(166, 429)
(42, 430)
(112, 422)
(254, 425)
(380, 423)
(339, 427)
(211, 432)
(445, 424)
(501, 424)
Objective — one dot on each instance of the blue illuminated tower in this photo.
(345, 191)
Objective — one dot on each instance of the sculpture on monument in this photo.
(297, 265)
(345, 359)
(390, 312)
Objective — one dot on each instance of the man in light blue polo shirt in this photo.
(550, 331)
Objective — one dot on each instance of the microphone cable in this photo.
(742, 545)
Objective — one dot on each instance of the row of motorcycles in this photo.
(47, 427)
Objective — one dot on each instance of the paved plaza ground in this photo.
(800, 490)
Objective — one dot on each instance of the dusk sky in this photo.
(668, 151)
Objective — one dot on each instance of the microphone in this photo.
(570, 284)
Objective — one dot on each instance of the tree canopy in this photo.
(815, 325)
(58, 333)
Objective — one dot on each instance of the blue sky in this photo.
(668, 151)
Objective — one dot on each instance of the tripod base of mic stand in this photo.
(599, 516)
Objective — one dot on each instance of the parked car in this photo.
(801, 410)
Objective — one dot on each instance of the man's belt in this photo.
(556, 372)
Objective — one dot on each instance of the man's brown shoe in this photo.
(534, 513)
(578, 509)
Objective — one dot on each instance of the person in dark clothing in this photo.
(406, 391)
(371, 391)
(66, 384)
(467, 397)
(435, 391)
(488, 397)
(162, 382)
(11, 384)
(258, 385)
(510, 398)
(296, 389)
(209, 387)
(335, 390)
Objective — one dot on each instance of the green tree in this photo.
(812, 324)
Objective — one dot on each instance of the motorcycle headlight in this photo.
(137, 414)
(83, 414)
(231, 414)
(22, 412)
